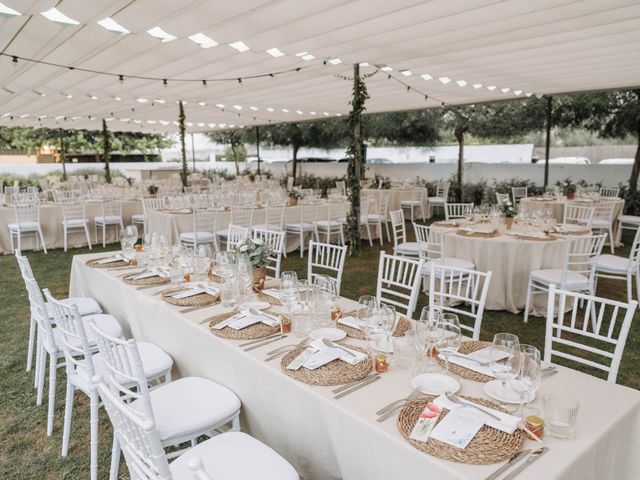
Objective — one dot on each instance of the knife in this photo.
(515, 458)
(266, 342)
(532, 458)
(357, 387)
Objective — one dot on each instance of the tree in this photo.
(235, 139)
(181, 119)
(418, 127)
(106, 147)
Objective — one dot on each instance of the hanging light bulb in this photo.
(121, 78)
(204, 83)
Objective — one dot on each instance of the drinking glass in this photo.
(450, 338)
(287, 293)
(229, 290)
(132, 232)
(560, 414)
(503, 343)
(429, 336)
(528, 379)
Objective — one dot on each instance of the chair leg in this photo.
(235, 423)
(115, 458)
(42, 367)
(11, 240)
(369, 235)
(104, 235)
(528, 301)
(86, 232)
(65, 233)
(38, 359)
(629, 288)
(611, 239)
(386, 224)
(638, 283)
(68, 416)
(32, 341)
(52, 393)
(93, 422)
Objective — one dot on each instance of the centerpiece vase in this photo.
(571, 195)
(259, 277)
(508, 222)
(293, 201)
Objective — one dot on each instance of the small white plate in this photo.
(435, 383)
(256, 305)
(494, 390)
(333, 334)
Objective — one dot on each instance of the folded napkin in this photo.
(154, 272)
(248, 318)
(481, 355)
(351, 322)
(272, 292)
(507, 423)
(115, 258)
(533, 234)
(195, 291)
(318, 354)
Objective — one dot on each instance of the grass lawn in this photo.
(27, 453)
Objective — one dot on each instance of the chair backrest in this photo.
(289, 183)
(603, 326)
(604, 210)
(149, 204)
(40, 314)
(451, 287)
(236, 234)
(73, 210)
(399, 280)
(457, 210)
(65, 195)
(242, 215)
(275, 214)
(383, 207)
(137, 435)
(326, 259)
(502, 198)
(111, 207)
(398, 227)
(366, 204)
(634, 253)
(337, 211)
(581, 256)
(430, 241)
(578, 214)
(73, 338)
(442, 189)
(517, 193)
(204, 220)
(341, 186)
(25, 266)
(611, 192)
(275, 240)
(26, 213)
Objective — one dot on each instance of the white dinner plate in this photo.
(333, 334)
(435, 383)
(256, 305)
(494, 390)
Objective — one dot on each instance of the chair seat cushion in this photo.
(438, 200)
(108, 220)
(74, 222)
(407, 248)
(600, 223)
(612, 264)
(86, 305)
(409, 203)
(137, 218)
(107, 323)
(202, 237)
(190, 405)
(573, 281)
(268, 226)
(24, 226)
(329, 223)
(629, 219)
(234, 456)
(375, 217)
(448, 262)
(296, 227)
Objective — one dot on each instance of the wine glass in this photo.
(450, 337)
(245, 275)
(132, 233)
(429, 335)
(287, 293)
(503, 348)
(528, 378)
(388, 322)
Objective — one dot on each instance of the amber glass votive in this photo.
(381, 363)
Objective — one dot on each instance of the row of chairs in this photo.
(518, 193)
(149, 411)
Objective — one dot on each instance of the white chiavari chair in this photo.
(517, 193)
(609, 192)
(431, 249)
(380, 217)
(570, 336)
(399, 280)
(150, 204)
(307, 211)
(327, 260)
(236, 235)
(453, 211)
(577, 273)
(230, 455)
(11, 193)
(111, 216)
(341, 186)
(366, 204)
(578, 215)
(275, 240)
(627, 222)
(603, 220)
(622, 268)
(450, 287)
(502, 198)
(27, 223)
(274, 216)
(334, 223)
(415, 202)
(400, 245)
(241, 215)
(204, 229)
(441, 196)
(74, 219)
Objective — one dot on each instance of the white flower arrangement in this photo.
(256, 249)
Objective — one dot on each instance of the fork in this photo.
(388, 410)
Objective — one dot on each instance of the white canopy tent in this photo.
(458, 52)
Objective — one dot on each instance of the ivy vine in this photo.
(184, 173)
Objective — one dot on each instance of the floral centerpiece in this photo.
(508, 212)
(152, 189)
(383, 183)
(294, 196)
(569, 188)
(258, 253)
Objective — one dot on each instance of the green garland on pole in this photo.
(184, 172)
(106, 148)
(355, 165)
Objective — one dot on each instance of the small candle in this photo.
(336, 313)
(186, 276)
(382, 365)
(133, 262)
(285, 325)
(138, 247)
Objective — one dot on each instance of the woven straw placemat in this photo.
(466, 348)
(257, 330)
(444, 223)
(269, 299)
(335, 372)
(479, 234)
(201, 299)
(403, 325)
(488, 446)
(94, 263)
(156, 280)
(546, 238)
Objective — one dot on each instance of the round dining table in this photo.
(556, 205)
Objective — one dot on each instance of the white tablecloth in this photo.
(51, 221)
(397, 195)
(557, 205)
(340, 439)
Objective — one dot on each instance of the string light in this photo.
(164, 82)
(204, 83)
(121, 78)
(14, 60)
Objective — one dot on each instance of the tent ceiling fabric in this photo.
(527, 47)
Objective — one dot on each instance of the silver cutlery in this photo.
(167, 289)
(276, 355)
(409, 397)
(246, 344)
(266, 342)
(455, 399)
(515, 458)
(357, 387)
(530, 459)
(352, 384)
(292, 347)
(197, 307)
(465, 357)
(331, 344)
(391, 411)
(122, 275)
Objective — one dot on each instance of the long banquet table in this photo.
(51, 221)
(340, 439)
(397, 195)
